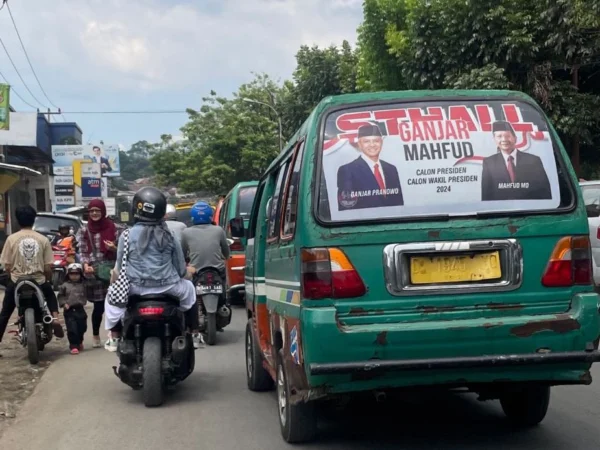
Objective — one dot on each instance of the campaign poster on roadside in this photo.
(107, 156)
(437, 158)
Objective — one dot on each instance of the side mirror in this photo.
(230, 241)
(237, 227)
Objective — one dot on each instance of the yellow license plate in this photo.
(455, 269)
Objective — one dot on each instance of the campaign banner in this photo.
(4, 107)
(438, 158)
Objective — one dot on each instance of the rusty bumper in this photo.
(531, 359)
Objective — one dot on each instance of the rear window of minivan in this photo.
(245, 200)
(439, 158)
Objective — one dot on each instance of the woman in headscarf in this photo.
(98, 253)
(155, 264)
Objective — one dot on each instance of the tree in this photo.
(135, 162)
(536, 47)
(319, 73)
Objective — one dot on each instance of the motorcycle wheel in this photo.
(152, 378)
(56, 280)
(33, 353)
(211, 328)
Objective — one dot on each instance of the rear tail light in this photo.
(570, 263)
(151, 311)
(236, 246)
(327, 273)
(598, 233)
(209, 278)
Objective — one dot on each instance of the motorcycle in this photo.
(155, 350)
(59, 266)
(35, 321)
(212, 302)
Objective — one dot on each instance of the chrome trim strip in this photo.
(397, 272)
(237, 287)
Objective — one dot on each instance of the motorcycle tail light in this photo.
(151, 311)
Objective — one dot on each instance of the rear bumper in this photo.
(379, 352)
(456, 363)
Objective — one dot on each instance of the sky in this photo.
(116, 55)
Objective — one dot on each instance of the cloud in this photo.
(151, 45)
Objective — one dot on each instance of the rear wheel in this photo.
(32, 342)
(56, 280)
(298, 422)
(211, 328)
(153, 386)
(258, 378)
(526, 407)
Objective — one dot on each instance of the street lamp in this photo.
(249, 100)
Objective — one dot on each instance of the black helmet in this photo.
(149, 204)
(64, 226)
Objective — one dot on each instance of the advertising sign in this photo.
(4, 107)
(437, 158)
(64, 190)
(111, 206)
(91, 186)
(22, 131)
(63, 180)
(65, 200)
(107, 157)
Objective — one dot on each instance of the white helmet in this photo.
(171, 211)
(74, 267)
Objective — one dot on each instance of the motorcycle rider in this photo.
(155, 263)
(28, 253)
(173, 224)
(204, 243)
(66, 240)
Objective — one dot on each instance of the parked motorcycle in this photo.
(35, 321)
(59, 266)
(155, 350)
(212, 302)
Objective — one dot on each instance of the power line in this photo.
(16, 93)
(27, 55)
(19, 73)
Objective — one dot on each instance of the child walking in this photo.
(72, 298)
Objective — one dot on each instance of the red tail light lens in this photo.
(598, 233)
(209, 278)
(236, 246)
(327, 273)
(151, 311)
(570, 263)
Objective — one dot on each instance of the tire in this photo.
(56, 280)
(211, 328)
(298, 422)
(526, 407)
(33, 353)
(258, 378)
(152, 376)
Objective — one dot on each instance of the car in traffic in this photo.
(47, 223)
(237, 203)
(419, 239)
(591, 198)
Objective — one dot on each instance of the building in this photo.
(28, 144)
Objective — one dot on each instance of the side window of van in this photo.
(274, 215)
(291, 202)
(223, 215)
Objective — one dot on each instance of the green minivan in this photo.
(419, 239)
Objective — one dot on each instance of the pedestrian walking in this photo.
(72, 298)
(98, 252)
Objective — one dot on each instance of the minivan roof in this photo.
(349, 99)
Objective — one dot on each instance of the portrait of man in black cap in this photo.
(368, 182)
(511, 174)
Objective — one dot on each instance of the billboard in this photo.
(23, 130)
(4, 106)
(107, 156)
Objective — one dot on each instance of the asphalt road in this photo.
(80, 404)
